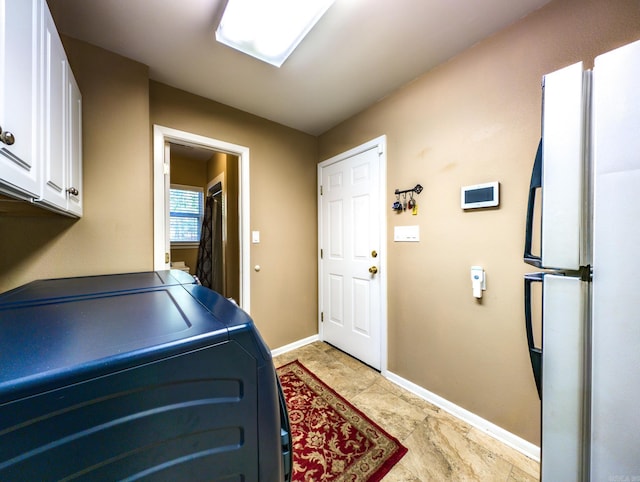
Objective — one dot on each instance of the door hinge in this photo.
(321, 190)
(321, 254)
(167, 257)
(380, 150)
(322, 317)
(166, 168)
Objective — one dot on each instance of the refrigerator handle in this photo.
(535, 353)
(536, 182)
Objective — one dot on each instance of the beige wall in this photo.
(283, 173)
(116, 232)
(189, 172)
(472, 120)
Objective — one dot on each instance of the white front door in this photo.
(351, 267)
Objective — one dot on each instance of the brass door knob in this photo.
(373, 270)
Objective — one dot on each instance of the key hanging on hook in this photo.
(411, 202)
(397, 205)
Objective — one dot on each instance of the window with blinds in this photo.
(186, 205)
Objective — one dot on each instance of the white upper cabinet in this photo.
(19, 58)
(74, 146)
(53, 119)
(46, 167)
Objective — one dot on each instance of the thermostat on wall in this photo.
(480, 195)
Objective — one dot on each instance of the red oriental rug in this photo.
(332, 440)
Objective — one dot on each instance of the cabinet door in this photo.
(54, 186)
(74, 149)
(19, 172)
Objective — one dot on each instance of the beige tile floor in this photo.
(441, 446)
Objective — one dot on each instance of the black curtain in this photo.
(204, 265)
(209, 268)
(217, 270)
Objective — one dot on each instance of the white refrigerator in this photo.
(583, 229)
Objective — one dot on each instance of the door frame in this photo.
(162, 166)
(381, 144)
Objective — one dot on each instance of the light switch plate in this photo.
(255, 237)
(407, 234)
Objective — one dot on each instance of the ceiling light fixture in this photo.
(269, 30)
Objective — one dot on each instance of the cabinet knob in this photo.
(73, 191)
(7, 137)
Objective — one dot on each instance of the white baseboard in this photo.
(527, 448)
(294, 345)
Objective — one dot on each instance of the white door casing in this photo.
(161, 168)
(352, 242)
(166, 187)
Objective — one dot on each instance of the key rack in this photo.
(417, 190)
(399, 207)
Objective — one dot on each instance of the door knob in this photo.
(373, 270)
(6, 137)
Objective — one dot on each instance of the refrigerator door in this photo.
(559, 170)
(615, 437)
(565, 312)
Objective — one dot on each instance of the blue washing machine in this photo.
(140, 376)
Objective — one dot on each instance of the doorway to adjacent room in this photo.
(217, 168)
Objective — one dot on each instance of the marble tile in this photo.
(324, 346)
(518, 475)
(439, 452)
(311, 351)
(511, 455)
(441, 446)
(399, 473)
(343, 379)
(395, 415)
(285, 358)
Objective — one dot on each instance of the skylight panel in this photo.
(269, 30)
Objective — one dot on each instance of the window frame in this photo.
(186, 187)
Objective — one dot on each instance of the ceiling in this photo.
(359, 52)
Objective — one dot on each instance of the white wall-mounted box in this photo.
(410, 234)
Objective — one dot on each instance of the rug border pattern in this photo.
(389, 444)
